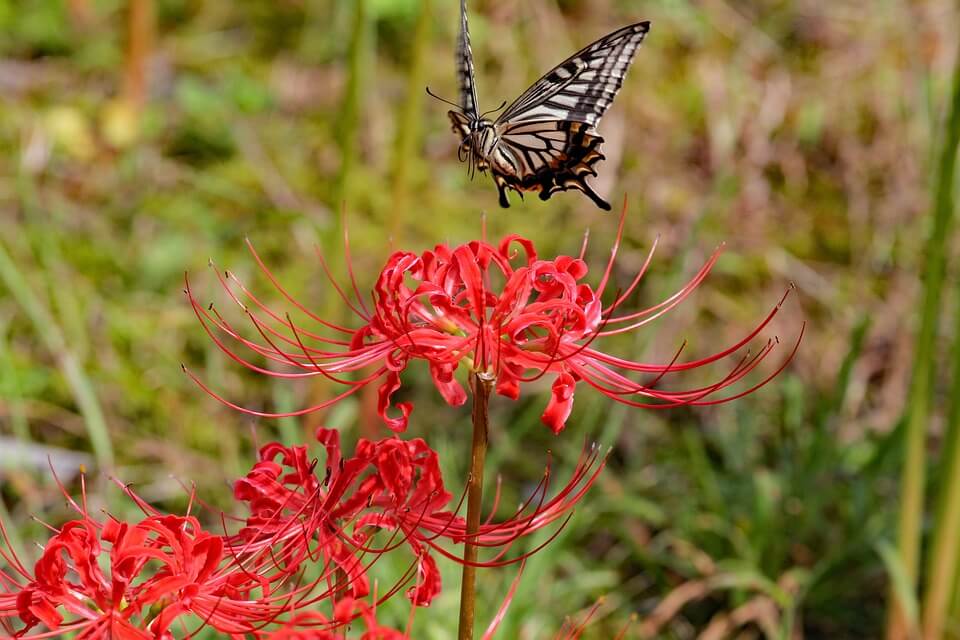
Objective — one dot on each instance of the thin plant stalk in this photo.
(140, 34)
(942, 566)
(482, 385)
(8, 376)
(942, 563)
(348, 125)
(348, 134)
(952, 631)
(408, 124)
(52, 337)
(921, 388)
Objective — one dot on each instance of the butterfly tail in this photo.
(502, 188)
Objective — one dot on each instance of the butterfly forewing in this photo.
(583, 86)
(465, 72)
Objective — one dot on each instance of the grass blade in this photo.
(10, 389)
(942, 563)
(920, 393)
(48, 331)
(901, 586)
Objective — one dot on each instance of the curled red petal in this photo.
(504, 248)
(508, 382)
(384, 394)
(33, 610)
(428, 583)
(447, 385)
(561, 403)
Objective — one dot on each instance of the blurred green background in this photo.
(140, 139)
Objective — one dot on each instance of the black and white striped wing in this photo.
(465, 71)
(582, 87)
(547, 157)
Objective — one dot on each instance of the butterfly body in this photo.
(545, 141)
(479, 139)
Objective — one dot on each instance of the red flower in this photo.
(303, 514)
(159, 569)
(492, 309)
(308, 515)
(166, 567)
(330, 511)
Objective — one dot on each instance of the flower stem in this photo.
(482, 385)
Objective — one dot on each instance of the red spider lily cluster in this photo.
(498, 309)
(302, 560)
(106, 578)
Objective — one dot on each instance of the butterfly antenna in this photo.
(452, 104)
(502, 105)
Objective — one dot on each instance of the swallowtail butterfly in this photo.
(545, 140)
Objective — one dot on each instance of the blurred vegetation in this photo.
(140, 139)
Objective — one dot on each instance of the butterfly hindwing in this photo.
(583, 86)
(461, 123)
(548, 157)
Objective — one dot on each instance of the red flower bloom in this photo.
(331, 511)
(303, 514)
(159, 569)
(308, 515)
(166, 567)
(492, 309)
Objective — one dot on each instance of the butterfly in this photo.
(545, 140)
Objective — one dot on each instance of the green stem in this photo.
(919, 399)
(482, 385)
(10, 383)
(942, 563)
(349, 122)
(405, 158)
(952, 631)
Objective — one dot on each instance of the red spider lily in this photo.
(495, 310)
(307, 515)
(166, 567)
(304, 516)
(161, 568)
(388, 485)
